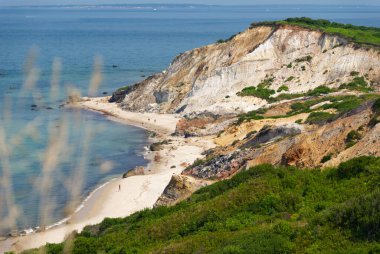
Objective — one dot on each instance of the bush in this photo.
(326, 158)
(304, 59)
(376, 106)
(265, 209)
(355, 167)
(319, 117)
(352, 138)
(282, 88)
(360, 215)
(289, 79)
(357, 84)
(320, 90)
(261, 91)
(354, 73)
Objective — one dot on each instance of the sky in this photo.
(217, 2)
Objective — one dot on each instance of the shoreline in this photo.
(137, 192)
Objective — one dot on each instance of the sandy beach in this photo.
(136, 192)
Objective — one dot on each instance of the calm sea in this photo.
(133, 42)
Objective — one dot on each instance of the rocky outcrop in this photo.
(179, 188)
(271, 134)
(207, 79)
(203, 124)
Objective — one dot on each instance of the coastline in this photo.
(137, 192)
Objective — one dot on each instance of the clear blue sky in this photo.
(224, 2)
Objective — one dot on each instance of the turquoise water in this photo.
(139, 40)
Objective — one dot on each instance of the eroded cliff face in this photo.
(203, 86)
(208, 79)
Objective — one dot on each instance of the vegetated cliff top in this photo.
(356, 34)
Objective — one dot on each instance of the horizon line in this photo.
(187, 4)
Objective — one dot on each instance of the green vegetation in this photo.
(376, 116)
(261, 91)
(354, 73)
(265, 209)
(352, 138)
(356, 34)
(326, 158)
(227, 40)
(357, 84)
(319, 117)
(289, 79)
(320, 90)
(304, 59)
(282, 88)
(341, 104)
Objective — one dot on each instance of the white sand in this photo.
(137, 192)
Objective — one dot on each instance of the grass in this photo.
(319, 117)
(356, 34)
(357, 84)
(341, 104)
(282, 88)
(262, 90)
(265, 209)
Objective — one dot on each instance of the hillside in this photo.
(266, 209)
(276, 59)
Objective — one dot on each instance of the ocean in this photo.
(132, 42)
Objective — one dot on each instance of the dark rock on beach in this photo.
(119, 95)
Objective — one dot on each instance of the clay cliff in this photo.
(277, 94)
(207, 79)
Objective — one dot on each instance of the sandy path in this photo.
(137, 192)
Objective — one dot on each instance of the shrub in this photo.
(352, 138)
(357, 84)
(289, 79)
(354, 73)
(376, 106)
(265, 209)
(326, 158)
(360, 215)
(261, 91)
(355, 167)
(319, 117)
(304, 59)
(282, 88)
(320, 90)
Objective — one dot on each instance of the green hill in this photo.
(265, 209)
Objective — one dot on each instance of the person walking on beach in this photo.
(119, 188)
